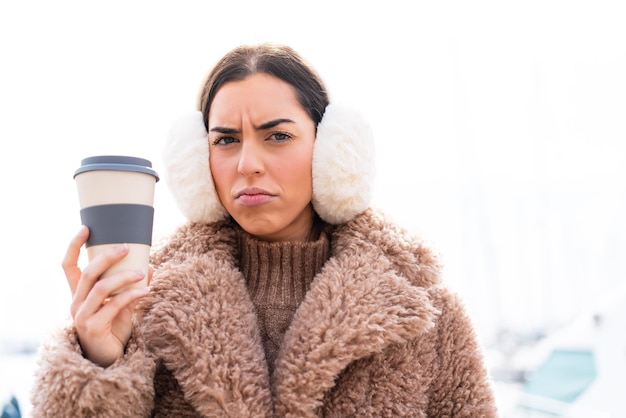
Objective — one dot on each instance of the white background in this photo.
(500, 130)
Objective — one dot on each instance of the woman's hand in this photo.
(103, 322)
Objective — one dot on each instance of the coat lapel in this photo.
(201, 323)
(357, 306)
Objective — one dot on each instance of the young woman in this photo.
(284, 295)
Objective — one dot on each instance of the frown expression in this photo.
(260, 153)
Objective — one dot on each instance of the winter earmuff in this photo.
(343, 167)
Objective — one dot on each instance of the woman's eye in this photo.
(280, 136)
(224, 140)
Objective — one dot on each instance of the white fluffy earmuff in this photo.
(343, 167)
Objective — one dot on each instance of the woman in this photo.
(285, 294)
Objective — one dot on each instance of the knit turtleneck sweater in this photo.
(278, 275)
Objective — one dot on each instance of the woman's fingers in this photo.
(93, 292)
(104, 334)
(118, 303)
(101, 322)
(91, 274)
(70, 261)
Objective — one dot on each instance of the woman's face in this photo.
(261, 150)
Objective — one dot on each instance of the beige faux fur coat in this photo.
(377, 335)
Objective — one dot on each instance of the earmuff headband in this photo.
(343, 167)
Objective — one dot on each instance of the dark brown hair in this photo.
(277, 60)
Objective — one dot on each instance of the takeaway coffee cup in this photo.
(116, 196)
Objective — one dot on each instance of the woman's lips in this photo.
(253, 196)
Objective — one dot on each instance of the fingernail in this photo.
(139, 274)
(121, 248)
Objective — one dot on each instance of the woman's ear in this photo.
(187, 171)
(343, 165)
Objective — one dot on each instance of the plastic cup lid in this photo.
(116, 163)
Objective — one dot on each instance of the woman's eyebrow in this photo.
(272, 123)
(222, 130)
(267, 125)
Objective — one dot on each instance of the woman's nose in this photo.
(250, 159)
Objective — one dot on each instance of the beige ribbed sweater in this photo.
(278, 275)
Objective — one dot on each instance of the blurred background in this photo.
(500, 130)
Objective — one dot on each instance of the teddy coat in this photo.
(377, 335)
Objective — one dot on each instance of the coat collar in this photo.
(360, 303)
(357, 306)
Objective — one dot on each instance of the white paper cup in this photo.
(116, 196)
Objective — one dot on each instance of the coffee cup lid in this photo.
(116, 163)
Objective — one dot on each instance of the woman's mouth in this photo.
(253, 196)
